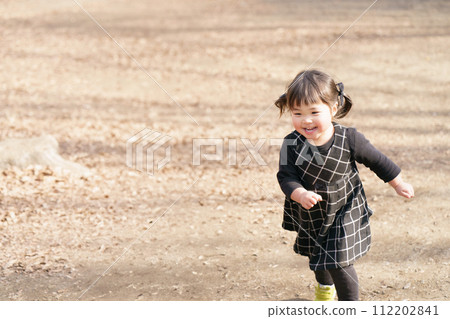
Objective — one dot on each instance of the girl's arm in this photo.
(365, 153)
(288, 176)
(402, 188)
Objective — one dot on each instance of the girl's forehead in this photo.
(309, 106)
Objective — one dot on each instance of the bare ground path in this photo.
(224, 62)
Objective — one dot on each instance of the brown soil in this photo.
(224, 62)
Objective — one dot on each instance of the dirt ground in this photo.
(212, 231)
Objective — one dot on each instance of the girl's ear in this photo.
(334, 109)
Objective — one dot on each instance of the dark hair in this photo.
(312, 87)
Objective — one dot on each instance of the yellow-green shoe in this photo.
(325, 293)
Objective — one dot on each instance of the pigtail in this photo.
(344, 102)
(281, 103)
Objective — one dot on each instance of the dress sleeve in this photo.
(365, 153)
(288, 175)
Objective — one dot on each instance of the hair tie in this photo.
(340, 89)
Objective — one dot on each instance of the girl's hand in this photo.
(405, 190)
(306, 198)
(402, 188)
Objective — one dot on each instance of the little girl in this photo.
(325, 201)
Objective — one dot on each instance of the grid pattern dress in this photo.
(335, 232)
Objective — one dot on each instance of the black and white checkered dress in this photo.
(335, 232)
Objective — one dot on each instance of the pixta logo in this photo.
(141, 149)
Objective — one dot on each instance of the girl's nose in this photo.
(307, 119)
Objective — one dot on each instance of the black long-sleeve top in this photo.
(362, 152)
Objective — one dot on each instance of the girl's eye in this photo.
(315, 112)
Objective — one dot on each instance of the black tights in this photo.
(344, 279)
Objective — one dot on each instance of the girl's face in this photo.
(314, 122)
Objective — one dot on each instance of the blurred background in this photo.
(222, 64)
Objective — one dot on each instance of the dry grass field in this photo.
(213, 231)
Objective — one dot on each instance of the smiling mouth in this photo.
(310, 130)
